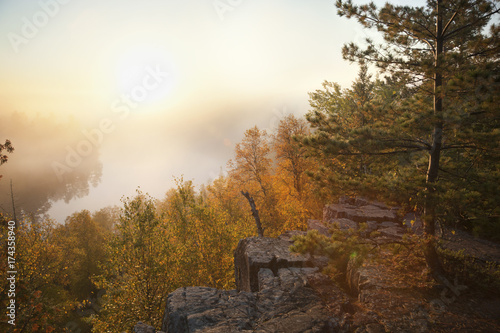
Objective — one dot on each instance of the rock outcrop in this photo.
(256, 253)
(388, 306)
(359, 211)
(277, 292)
(382, 304)
(349, 213)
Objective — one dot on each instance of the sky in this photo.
(134, 93)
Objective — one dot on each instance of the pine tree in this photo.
(443, 55)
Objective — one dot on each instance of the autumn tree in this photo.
(289, 152)
(252, 165)
(84, 244)
(295, 195)
(107, 217)
(42, 300)
(139, 273)
(225, 193)
(251, 169)
(443, 54)
(205, 230)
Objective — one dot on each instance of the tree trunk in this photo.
(432, 197)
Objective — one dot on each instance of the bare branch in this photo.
(449, 22)
(255, 213)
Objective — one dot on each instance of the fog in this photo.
(99, 98)
(38, 168)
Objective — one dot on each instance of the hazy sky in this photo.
(161, 88)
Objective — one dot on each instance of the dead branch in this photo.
(255, 213)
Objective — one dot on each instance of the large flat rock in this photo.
(285, 303)
(358, 213)
(255, 253)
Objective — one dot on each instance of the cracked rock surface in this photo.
(281, 299)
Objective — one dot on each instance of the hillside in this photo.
(279, 291)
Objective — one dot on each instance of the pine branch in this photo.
(449, 22)
(423, 145)
(431, 33)
(470, 24)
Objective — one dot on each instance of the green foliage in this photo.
(341, 248)
(410, 37)
(428, 135)
(184, 240)
(485, 276)
(403, 261)
(362, 142)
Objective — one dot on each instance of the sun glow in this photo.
(144, 73)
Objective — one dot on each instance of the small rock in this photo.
(344, 224)
(392, 232)
(140, 327)
(389, 224)
(319, 226)
(375, 328)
